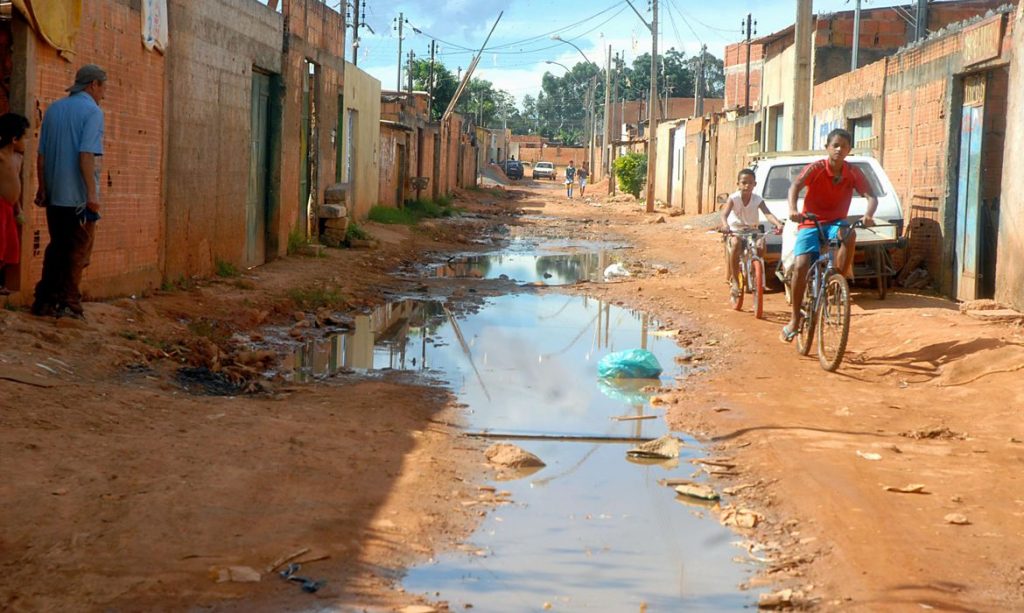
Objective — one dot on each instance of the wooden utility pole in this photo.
(698, 86)
(856, 35)
(401, 36)
(355, 32)
(802, 33)
(921, 20)
(618, 130)
(746, 97)
(606, 155)
(412, 56)
(430, 82)
(652, 110)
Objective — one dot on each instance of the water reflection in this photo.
(552, 269)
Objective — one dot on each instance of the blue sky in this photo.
(522, 44)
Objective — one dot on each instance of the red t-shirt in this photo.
(829, 195)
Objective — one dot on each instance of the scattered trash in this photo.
(667, 446)
(736, 489)
(783, 599)
(633, 417)
(958, 519)
(308, 585)
(236, 574)
(631, 364)
(506, 454)
(418, 608)
(936, 432)
(286, 558)
(697, 490)
(616, 270)
(912, 488)
(869, 455)
(740, 518)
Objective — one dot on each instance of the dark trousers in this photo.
(65, 259)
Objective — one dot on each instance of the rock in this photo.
(339, 224)
(332, 211)
(869, 455)
(783, 599)
(659, 219)
(740, 518)
(336, 193)
(958, 519)
(505, 454)
(912, 488)
(667, 446)
(697, 490)
(999, 316)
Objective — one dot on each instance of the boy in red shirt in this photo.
(830, 184)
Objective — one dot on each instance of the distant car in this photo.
(544, 170)
(513, 169)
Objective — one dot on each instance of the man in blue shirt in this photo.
(70, 141)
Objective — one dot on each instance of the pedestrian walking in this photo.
(12, 154)
(70, 143)
(570, 179)
(582, 174)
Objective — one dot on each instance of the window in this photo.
(776, 186)
(861, 130)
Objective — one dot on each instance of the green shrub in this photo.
(225, 268)
(355, 232)
(296, 240)
(390, 215)
(631, 172)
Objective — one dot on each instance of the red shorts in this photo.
(10, 246)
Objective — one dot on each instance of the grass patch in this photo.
(225, 268)
(354, 231)
(312, 298)
(296, 240)
(391, 215)
(413, 211)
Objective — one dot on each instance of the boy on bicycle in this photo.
(830, 184)
(743, 205)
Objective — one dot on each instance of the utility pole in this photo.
(618, 130)
(856, 35)
(430, 82)
(355, 32)
(652, 110)
(412, 55)
(698, 87)
(800, 120)
(605, 153)
(746, 98)
(401, 36)
(921, 20)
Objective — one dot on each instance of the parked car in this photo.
(775, 174)
(544, 170)
(514, 169)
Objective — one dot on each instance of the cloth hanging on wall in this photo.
(154, 24)
(55, 22)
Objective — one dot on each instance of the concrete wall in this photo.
(216, 47)
(394, 147)
(663, 171)
(776, 89)
(126, 255)
(733, 145)
(362, 97)
(1010, 251)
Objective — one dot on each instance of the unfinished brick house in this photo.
(222, 129)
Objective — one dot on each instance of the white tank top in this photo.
(744, 214)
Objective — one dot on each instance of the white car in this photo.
(775, 174)
(544, 170)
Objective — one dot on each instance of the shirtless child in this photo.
(12, 152)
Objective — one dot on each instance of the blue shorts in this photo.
(808, 242)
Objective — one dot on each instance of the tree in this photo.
(444, 84)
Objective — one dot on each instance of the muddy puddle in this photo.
(533, 268)
(591, 531)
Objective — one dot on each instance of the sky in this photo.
(521, 45)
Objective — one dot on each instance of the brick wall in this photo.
(126, 256)
(1010, 253)
(217, 46)
(852, 95)
(733, 139)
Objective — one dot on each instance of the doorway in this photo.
(978, 181)
(308, 147)
(256, 208)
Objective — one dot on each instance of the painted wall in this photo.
(777, 88)
(216, 47)
(1010, 251)
(361, 97)
(127, 251)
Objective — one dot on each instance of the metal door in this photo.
(259, 159)
(968, 191)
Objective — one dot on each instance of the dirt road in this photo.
(121, 490)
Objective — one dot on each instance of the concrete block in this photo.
(336, 194)
(332, 211)
(338, 223)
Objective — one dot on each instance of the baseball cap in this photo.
(86, 75)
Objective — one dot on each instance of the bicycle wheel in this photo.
(805, 338)
(834, 322)
(736, 297)
(757, 278)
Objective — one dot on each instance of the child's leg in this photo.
(734, 260)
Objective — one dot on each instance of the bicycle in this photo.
(751, 269)
(826, 305)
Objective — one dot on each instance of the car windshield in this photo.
(543, 164)
(776, 186)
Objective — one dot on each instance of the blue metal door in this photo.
(968, 193)
(256, 203)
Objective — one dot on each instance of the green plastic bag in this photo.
(632, 364)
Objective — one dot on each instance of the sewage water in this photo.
(591, 531)
(550, 269)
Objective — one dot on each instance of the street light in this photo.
(592, 119)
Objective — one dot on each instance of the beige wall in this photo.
(777, 88)
(1010, 255)
(662, 171)
(362, 97)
